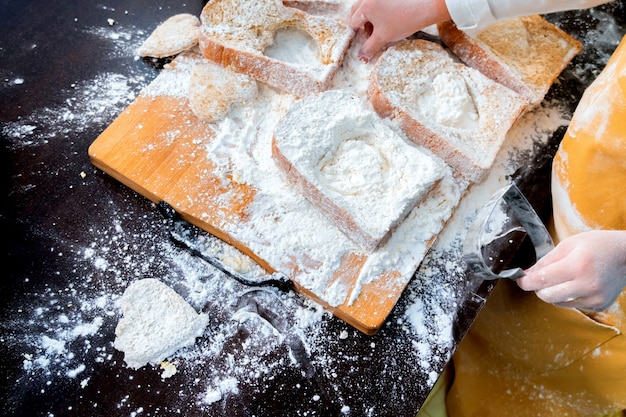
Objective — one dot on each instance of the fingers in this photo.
(357, 18)
(544, 275)
(585, 271)
(389, 21)
(371, 47)
(550, 270)
(560, 294)
(592, 303)
(570, 295)
(357, 21)
(563, 286)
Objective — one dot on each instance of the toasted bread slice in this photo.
(282, 46)
(526, 54)
(445, 106)
(363, 175)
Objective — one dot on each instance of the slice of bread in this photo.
(445, 106)
(356, 168)
(282, 46)
(525, 54)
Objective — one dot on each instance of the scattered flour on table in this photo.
(88, 102)
(86, 105)
(218, 388)
(15, 81)
(67, 327)
(125, 41)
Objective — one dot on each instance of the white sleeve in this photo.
(478, 14)
(470, 14)
(507, 9)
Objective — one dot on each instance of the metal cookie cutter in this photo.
(507, 213)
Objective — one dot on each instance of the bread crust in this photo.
(218, 44)
(526, 54)
(474, 55)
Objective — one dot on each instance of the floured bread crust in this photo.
(526, 54)
(213, 90)
(237, 33)
(451, 109)
(361, 174)
(177, 34)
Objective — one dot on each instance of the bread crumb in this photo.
(169, 369)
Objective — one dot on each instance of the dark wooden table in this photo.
(74, 239)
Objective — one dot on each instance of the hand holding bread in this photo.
(393, 20)
(389, 21)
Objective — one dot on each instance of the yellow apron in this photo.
(524, 357)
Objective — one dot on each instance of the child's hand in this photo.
(388, 21)
(586, 271)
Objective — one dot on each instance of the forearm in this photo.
(477, 14)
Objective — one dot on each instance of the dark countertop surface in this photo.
(75, 238)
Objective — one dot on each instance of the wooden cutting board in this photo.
(157, 147)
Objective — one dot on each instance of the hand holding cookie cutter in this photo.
(495, 221)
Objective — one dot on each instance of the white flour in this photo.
(459, 110)
(357, 161)
(86, 105)
(293, 46)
